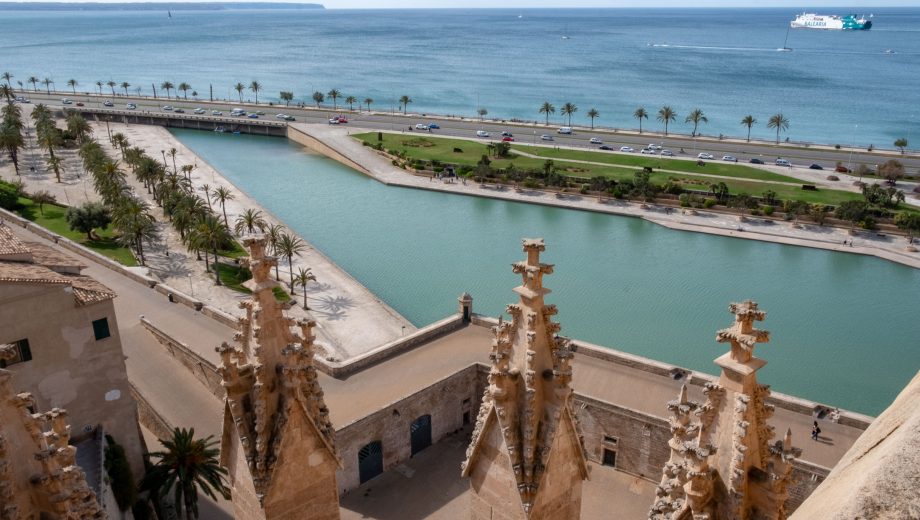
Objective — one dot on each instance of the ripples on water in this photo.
(844, 326)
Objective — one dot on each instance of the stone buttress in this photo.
(39, 476)
(526, 458)
(278, 443)
(722, 464)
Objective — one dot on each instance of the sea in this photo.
(834, 87)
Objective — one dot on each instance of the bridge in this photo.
(191, 121)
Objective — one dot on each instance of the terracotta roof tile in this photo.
(86, 290)
(10, 244)
(48, 256)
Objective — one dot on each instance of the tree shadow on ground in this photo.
(332, 307)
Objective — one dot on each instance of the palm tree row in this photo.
(11, 126)
(49, 136)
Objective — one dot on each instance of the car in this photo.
(66, 101)
(507, 134)
(729, 158)
(79, 103)
(507, 139)
(238, 112)
(334, 121)
(19, 99)
(280, 116)
(341, 119)
(421, 126)
(179, 110)
(605, 147)
(704, 155)
(434, 126)
(108, 103)
(199, 111)
(482, 133)
(565, 130)
(842, 169)
(667, 153)
(131, 106)
(647, 151)
(628, 149)
(546, 137)
(654, 146)
(595, 140)
(253, 116)
(167, 108)
(816, 167)
(260, 113)
(755, 161)
(216, 113)
(290, 118)
(783, 162)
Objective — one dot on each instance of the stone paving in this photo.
(892, 248)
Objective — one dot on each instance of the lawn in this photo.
(52, 219)
(233, 276)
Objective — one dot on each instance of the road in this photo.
(801, 156)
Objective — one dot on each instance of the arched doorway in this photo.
(420, 433)
(370, 461)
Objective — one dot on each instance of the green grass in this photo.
(234, 251)
(233, 277)
(53, 220)
(639, 161)
(429, 148)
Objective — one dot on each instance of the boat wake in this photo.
(716, 48)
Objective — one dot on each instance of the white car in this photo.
(334, 121)
(167, 108)
(482, 133)
(667, 153)
(783, 162)
(729, 158)
(704, 155)
(507, 134)
(565, 130)
(66, 101)
(595, 140)
(629, 149)
(108, 103)
(199, 111)
(216, 113)
(654, 147)
(647, 151)
(131, 106)
(421, 126)
(546, 137)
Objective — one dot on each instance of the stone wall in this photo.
(149, 418)
(201, 368)
(301, 137)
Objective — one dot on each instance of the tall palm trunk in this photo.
(291, 268)
(216, 263)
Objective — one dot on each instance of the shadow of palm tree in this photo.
(333, 307)
(318, 287)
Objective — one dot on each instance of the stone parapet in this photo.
(203, 370)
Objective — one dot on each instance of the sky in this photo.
(537, 4)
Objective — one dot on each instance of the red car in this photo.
(342, 119)
(841, 169)
(507, 139)
(79, 104)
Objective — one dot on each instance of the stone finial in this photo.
(742, 335)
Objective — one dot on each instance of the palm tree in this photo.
(779, 122)
(303, 278)
(696, 117)
(7, 77)
(592, 114)
(210, 234)
(33, 80)
(273, 235)
(404, 101)
(482, 113)
(99, 85)
(72, 83)
(368, 101)
(78, 127)
(239, 88)
(112, 85)
(54, 162)
(640, 114)
(12, 141)
(47, 84)
(334, 94)
(125, 85)
(547, 108)
(318, 98)
(187, 465)
(569, 109)
(222, 195)
(351, 100)
(255, 87)
(666, 115)
(290, 246)
(135, 223)
(184, 87)
(748, 121)
(287, 96)
(167, 86)
(249, 220)
(173, 153)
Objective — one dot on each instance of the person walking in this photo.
(815, 431)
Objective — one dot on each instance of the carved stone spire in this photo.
(526, 411)
(38, 471)
(276, 420)
(722, 464)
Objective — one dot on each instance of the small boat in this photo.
(220, 129)
(169, 14)
(236, 132)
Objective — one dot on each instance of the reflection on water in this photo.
(844, 326)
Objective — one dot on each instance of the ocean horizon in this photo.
(835, 87)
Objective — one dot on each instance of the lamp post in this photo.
(850, 159)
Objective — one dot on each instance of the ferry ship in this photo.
(817, 21)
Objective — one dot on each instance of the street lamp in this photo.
(850, 159)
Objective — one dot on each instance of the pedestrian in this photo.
(815, 431)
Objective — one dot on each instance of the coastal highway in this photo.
(800, 156)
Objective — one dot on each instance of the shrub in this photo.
(755, 212)
(395, 163)
(767, 210)
(684, 200)
(867, 223)
(365, 143)
(380, 136)
(458, 150)
(708, 203)
(837, 146)
(531, 183)
(119, 472)
(9, 195)
(584, 189)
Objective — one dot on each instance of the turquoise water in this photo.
(844, 326)
(723, 61)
